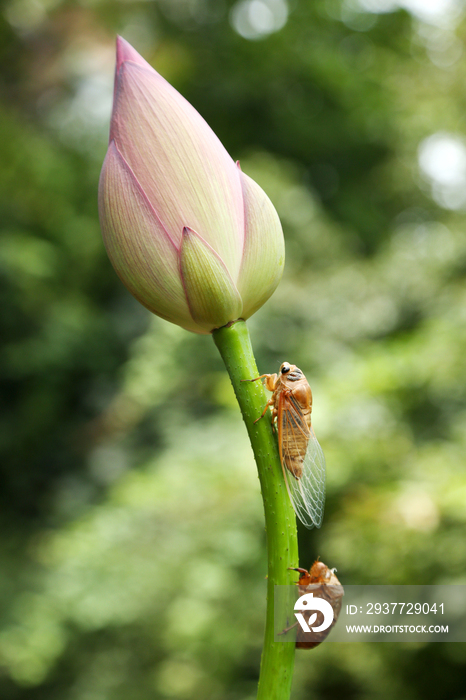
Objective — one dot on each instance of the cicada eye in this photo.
(285, 368)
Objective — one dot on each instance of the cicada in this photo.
(323, 583)
(301, 456)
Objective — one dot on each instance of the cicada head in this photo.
(318, 573)
(290, 372)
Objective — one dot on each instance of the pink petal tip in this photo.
(125, 52)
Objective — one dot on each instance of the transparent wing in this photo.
(307, 492)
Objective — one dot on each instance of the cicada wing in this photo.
(306, 491)
(312, 482)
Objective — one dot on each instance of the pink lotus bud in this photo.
(192, 237)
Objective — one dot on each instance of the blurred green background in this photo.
(132, 546)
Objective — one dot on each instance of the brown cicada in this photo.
(321, 582)
(301, 456)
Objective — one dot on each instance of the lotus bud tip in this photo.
(125, 52)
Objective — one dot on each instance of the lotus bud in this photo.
(191, 236)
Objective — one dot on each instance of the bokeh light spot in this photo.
(255, 19)
(442, 160)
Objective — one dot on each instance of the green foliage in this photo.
(132, 554)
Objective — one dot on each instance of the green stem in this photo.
(235, 348)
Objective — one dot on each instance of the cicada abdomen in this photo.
(307, 491)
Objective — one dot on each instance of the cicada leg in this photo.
(287, 629)
(302, 571)
(270, 384)
(269, 403)
(255, 378)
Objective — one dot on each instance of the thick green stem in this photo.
(235, 348)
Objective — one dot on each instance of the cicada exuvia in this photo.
(322, 582)
(301, 456)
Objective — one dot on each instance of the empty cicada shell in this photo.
(322, 583)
